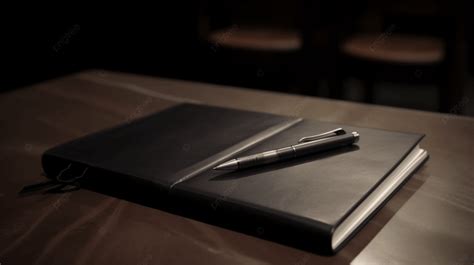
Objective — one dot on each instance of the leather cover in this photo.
(311, 195)
(165, 147)
(176, 149)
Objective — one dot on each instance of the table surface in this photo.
(429, 221)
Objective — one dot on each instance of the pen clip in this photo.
(332, 133)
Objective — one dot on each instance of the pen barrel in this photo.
(296, 150)
(286, 153)
(324, 144)
(258, 159)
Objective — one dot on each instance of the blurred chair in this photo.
(253, 43)
(413, 48)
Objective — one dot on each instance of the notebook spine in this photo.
(232, 151)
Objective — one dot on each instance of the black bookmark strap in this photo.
(67, 180)
(39, 186)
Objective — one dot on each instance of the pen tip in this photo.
(218, 167)
(229, 165)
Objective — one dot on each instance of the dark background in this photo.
(173, 40)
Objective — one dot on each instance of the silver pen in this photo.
(306, 145)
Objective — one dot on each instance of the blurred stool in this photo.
(402, 49)
(418, 42)
(254, 50)
(401, 58)
(257, 39)
(261, 57)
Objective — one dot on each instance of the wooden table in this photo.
(429, 221)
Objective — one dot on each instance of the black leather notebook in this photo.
(325, 197)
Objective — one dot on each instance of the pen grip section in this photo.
(286, 152)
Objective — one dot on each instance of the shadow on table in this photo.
(150, 195)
